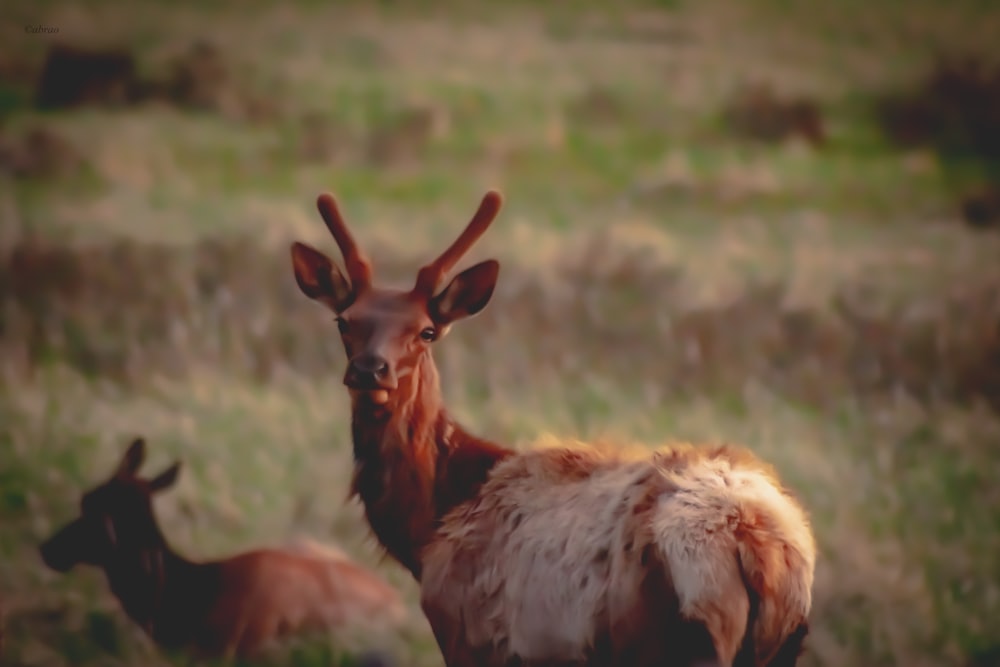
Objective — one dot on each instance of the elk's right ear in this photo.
(320, 279)
(133, 458)
(165, 479)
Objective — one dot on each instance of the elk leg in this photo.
(788, 654)
(692, 645)
(450, 636)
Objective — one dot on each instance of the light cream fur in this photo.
(553, 553)
(307, 546)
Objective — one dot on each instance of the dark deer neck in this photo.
(146, 576)
(413, 464)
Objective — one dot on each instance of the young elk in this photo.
(563, 555)
(234, 607)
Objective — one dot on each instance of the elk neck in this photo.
(154, 585)
(413, 464)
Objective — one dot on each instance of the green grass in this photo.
(662, 279)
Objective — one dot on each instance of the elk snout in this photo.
(370, 372)
(57, 552)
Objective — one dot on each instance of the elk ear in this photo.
(320, 279)
(467, 293)
(133, 458)
(165, 479)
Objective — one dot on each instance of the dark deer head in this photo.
(387, 333)
(115, 517)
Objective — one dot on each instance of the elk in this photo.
(231, 608)
(565, 554)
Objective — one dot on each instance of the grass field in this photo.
(663, 278)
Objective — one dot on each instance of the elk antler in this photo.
(359, 268)
(431, 275)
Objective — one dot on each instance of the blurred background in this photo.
(775, 222)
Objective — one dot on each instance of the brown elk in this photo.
(559, 555)
(235, 607)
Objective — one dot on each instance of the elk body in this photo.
(560, 555)
(234, 607)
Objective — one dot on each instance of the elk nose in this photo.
(53, 559)
(371, 364)
(369, 371)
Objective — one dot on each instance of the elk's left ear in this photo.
(467, 293)
(165, 479)
(133, 458)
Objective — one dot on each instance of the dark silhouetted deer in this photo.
(234, 607)
(560, 555)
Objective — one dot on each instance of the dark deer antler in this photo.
(430, 277)
(359, 268)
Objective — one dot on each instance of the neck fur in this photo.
(141, 573)
(413, 464)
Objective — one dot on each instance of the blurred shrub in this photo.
(758, 112)
(955, 109)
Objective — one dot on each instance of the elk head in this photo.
(115, 515)
(387, 333)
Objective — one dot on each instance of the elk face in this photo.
(115, 513)
(387, 333)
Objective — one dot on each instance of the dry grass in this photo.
(660, 282)
(180, 310)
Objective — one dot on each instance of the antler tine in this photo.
(359, 268)
(431, 275)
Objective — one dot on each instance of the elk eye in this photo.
(342, 325)
(429, 335)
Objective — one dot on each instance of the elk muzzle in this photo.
(63, 550)
(370, 372)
